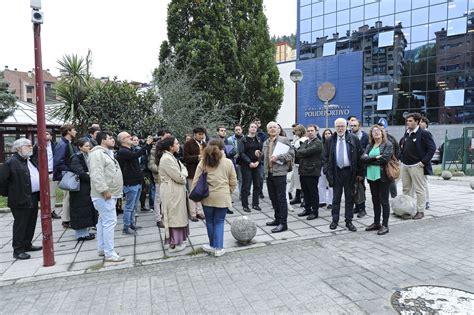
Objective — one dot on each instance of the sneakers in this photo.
(128, 231)
(177, 248)
(208, 249)
(101, 253)
(114, 258)
(219, 252)
(135, 227)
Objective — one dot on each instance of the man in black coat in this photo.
(417, 148)
(344, 167)
(19, 181)
(309, 155)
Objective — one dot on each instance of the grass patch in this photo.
(196, 251)
(59, 198)
(96, 267)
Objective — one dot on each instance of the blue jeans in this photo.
(151, 194)
(106, 225)
(82, 232)
(215, 225)
(132, 194)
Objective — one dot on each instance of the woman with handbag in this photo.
(173, 195)
(325, 192)
(83, 213)
(377, 154)
(222, 181)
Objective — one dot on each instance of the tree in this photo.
(7, 99)
(182, 103)
(227, 44)
(72, 88)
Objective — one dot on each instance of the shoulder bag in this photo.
(392, 168)
(70, 182)
(201, 190)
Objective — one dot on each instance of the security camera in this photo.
(37, 17)
(35, 4)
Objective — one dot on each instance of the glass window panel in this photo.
(355, 26)
(387, 7)
(386, 39)
(419, 3)
(436, 27)
(329, 31)
(357, 14)
(471, 4)
(403, 18)
(457, 8)
(454, 98)
(432, 99)
(455, 79)
(329, 49)
(330, 20)
(419, 66)
(329, 6)
(343, 17)
(317, 23)
(317, 8)
(407, 34)
(315, 35)
(419, 16)
(342, 30)
(457, 26)
(384, 102)
(305, 2)
(438, 12)
(371, 23)
(305, 26)
(343, 4)
(305, 38)
(402, 5)
(388, 20)
(419, 33)
(305, 12)
(355, 3)
(371, 11)
(418, 83)
(432, 62)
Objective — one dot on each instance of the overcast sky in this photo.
(124, 36)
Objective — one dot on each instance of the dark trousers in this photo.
(309, 186)
(261, 171)
(24, 225)
(276, 186)
(393, 189)
(250, 176)
(342, 182)
(379, 191)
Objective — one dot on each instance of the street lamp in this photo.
(296, 76)
(46, 225)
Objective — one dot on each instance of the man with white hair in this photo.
(19, 181)
(343, 164)
(276, 169)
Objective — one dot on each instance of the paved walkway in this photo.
(337, 274)
(447, 198)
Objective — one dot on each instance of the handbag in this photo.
(70, 182)
(392, 169)
(201, 190)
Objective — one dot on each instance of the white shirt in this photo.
(34, 177)
(413, 131)
(343, 143)
(49, 149)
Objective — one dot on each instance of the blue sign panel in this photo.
(345, 73)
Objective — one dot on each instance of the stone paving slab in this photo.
(448, 198)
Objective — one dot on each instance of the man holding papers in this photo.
(277, 156)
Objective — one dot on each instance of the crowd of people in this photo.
(116, 175)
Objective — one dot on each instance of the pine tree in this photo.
(7, 99)
(227, 43)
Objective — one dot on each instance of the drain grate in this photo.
(433, 300)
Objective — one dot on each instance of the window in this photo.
(329, 6)
(29, 100)
(388, 20)
(305, 26)
(403, 18)
(343, 4)
(357, 14)
(329, 20)
(329, 49)
(329, 31)
(384, 102)
(305, 2)
(371, 10)
(438, 12)
(317, 23)
(419, 33)
(419, 16)
(418, 3)
(305, 12)
(436, 27)
(387, 7)
(386, 39)
(317, 8)
(30, 88)
(456, 27)
(454, 98)
(343, 17)
(402, 5)
(457, 8)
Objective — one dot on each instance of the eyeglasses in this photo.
(340, 127)
(353, 126)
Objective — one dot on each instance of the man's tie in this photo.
(340, 153)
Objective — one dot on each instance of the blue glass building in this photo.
(387, 58)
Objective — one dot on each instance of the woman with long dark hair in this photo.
(83, 213)
(377, 154)
(325, 192)
(222, 181)
(173, 195)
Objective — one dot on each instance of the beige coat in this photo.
(173, 191)
(105, 173)
(222, 182)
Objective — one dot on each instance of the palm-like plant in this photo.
(72, 88)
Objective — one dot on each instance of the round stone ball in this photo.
(446, 175)
(243, 229)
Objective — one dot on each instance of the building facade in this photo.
(386, 58)
(24, 85)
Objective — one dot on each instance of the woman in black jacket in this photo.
(83, 214)
(377, 154)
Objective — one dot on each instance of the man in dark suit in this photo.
(417, 148)
(19, 181)
(192, 155)
(343, 164)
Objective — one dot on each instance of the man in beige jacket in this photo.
(106, 188)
